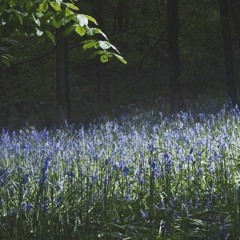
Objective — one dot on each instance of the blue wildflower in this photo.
(27, 207)
(59, 200)
(144, 214)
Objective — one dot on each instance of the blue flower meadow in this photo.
(143, 176)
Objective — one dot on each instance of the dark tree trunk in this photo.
(228, 52)
(235, 12)
(104, 98)
(62, 81)
(122, 16)
(176, 98)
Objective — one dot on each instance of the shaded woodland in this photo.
(182, 55)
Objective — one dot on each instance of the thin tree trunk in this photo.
(123, 16)
(234, 13)
(228, 52)
(176, 98)
(62, 81)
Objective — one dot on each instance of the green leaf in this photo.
(55, 6)
(12, 3)
(19, 17)
(50, 36)
(91, 19)
(55, 23)
(68, 13)
(120, 58)
(97, 30)
(28, 6)
(36, 20)
(89, 44)
(80, 30)
(104, 58)
(106, 45)
(72, 6)
(43, 7)
(82, 19)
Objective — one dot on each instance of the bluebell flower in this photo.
(25, 179)
(70, 175)
(27, 207)
(126, 170)
(59, 200)
(4, 175)
(94, 178)
(144, 214)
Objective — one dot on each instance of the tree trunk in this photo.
(62, 81)
(176, 98)
(104, 98)
(122, 16)
(234, 13)
(228, 52)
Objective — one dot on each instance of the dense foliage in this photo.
(143, 176)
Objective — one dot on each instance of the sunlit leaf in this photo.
(39, 32)
(120, 58)
(55, 23)
(104, 45)
(91, 19)
(72, 6)
(55, 6)
(59, 2)
(89, 44)
(97, 30)
(83, 21)
(68, 13)
(104, 58)
(36, 20)
(43, 7)
(80, 30)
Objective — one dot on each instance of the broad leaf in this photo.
(55, 6)
(59, 2)
(43, 7)
(68, 13)
(104, 45)
(89, 44)
(80, 30)
(83, 21)
(36, 20)
(104, 58)
(55, 23)
(50, 36)
(72, 6)
(91, 19)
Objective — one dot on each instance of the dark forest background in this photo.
(182, 55)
